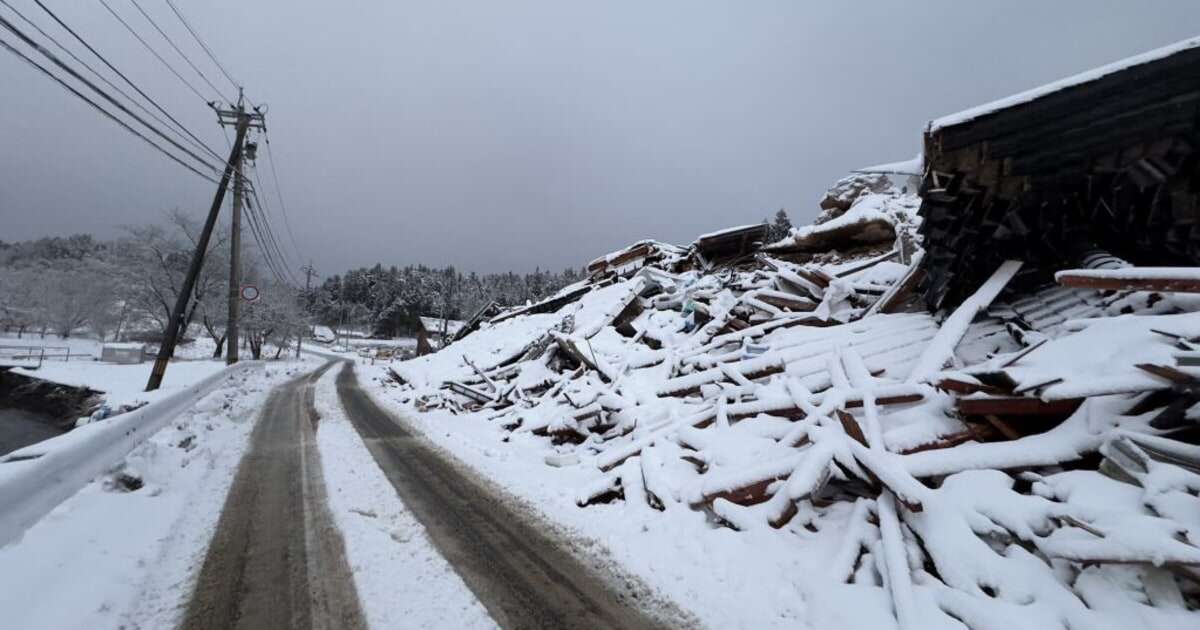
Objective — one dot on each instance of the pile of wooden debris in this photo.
(1023, 450)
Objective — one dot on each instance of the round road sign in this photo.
(250, 292)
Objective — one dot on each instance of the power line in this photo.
(186, 136)
(105, 95)
(157, 56)
(114, 69)
(279, 193)
(257, 227)
(260, 214)
(281, 257)
(269, 234)
(267, 206)
(172, 43)
(202, 44)
(100, 109)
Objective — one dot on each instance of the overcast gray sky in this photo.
(507, 135)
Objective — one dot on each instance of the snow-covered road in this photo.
(276, 559)
(287, 498)
(524, 577)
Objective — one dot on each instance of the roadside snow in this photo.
(713, 572)
(402, 581)
(123, 384)
(112, 558)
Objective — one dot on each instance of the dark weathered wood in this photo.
(1003, 427)
(1180, 284)
(1016, 406)
(1168, 373)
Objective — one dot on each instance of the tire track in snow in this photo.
(276, 559)
(522, 577)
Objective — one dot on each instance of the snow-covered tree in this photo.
(780, 227)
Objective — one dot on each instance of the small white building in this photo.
(122, 353)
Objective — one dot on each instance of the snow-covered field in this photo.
(57, 348)
(112, 558)
(123, 384)
(401, 579)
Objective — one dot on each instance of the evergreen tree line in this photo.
(387, 301)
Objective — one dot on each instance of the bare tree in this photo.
(274, 319)
(152, 261)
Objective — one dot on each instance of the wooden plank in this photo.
(963, 387)
(1003, 427)
(469, 392)
(867, 265)
(1177, 280)
(1168, 373)
(1016, 406)
(1024, 353)
(942, 346)
(900, 291)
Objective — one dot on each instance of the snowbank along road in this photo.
(523, 577)
(277, 560)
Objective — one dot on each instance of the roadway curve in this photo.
(522, 576)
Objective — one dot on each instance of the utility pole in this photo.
(242, 121)
(167, 348)
(235, 117)
(308, 274)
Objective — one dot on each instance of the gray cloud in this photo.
(505, 135)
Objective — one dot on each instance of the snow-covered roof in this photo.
(1049, 88)
(914, 166)
(727, 231)
(435, 324)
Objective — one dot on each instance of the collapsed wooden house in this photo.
(904, 381)
(436, 332)
(1102, 163)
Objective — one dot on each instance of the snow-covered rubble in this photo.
(835, 453)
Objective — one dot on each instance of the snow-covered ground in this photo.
(112, 558)
(59, 349)
(400, 342)
(401, 579)
(123, 384)
(714, 573)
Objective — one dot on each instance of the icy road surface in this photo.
(522, 576)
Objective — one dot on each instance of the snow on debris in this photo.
(914, 166)
(807, 444)
(1049, 88)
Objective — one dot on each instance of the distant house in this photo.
(324, 334)
(435, 333)
(123, 353)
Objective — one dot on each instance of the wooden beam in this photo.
(1016, 406)
(1167, 279)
